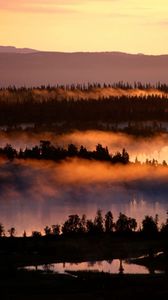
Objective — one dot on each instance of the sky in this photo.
(132, 26)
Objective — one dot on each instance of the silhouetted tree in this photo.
(72, 150)
(125, 157)
(102, 153)
(10, 152)
(12, 231)
(121, 224)
(36, 234)
(117, 158)
(149, 225)
(83, 224)
(55, 229)
(47, 230)
(98, 222)
(2, 230)
(24, 234)
(125, 224)
(83, 152)
(109, 224)
(164, 227)
(90, 226)
(164, 163)
(132, 224)
(72, 225)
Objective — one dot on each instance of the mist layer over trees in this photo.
(83, 174)
(47, 105)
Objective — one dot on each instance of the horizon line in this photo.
(79, 51)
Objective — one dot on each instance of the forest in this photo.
(47, 151)
(48, 105)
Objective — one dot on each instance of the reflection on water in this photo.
(35, 194)
(115, 266)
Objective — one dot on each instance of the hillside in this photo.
(42, 68)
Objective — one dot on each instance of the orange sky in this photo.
(132, 26)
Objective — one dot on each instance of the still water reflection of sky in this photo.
(115, 266)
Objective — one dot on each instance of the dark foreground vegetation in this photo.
(77, 240)
(16, 253)
(86, 285)
(82, 240)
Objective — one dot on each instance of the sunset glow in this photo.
(95, 25)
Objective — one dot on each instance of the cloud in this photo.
(39, 6)
(163, 23)
(53, 6)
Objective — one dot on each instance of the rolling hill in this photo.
(27, 67)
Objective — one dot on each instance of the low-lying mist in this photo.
(38, 193)
(95, 93)
(143, 148)
(65, 93)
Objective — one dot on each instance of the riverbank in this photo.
(19, 252)
(25, 251)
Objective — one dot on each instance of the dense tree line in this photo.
(23, 108)
(99, 225)
(47, 151)
(91, 86)
(111, 109)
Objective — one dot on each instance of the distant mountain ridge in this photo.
(36, 68)
(12, 49)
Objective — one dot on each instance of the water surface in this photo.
(115, 266)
